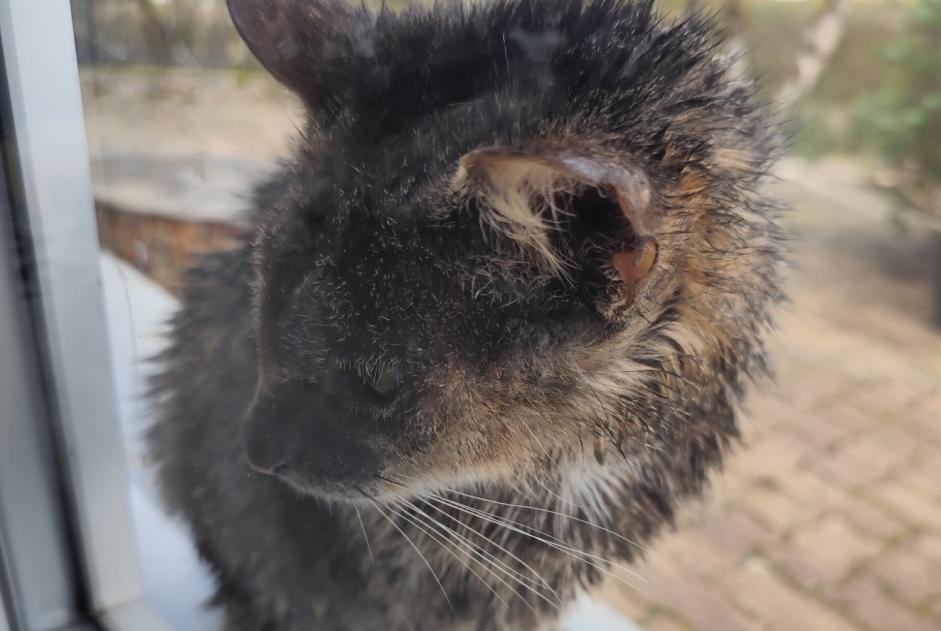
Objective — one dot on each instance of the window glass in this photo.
(828, 513)
(180, 125)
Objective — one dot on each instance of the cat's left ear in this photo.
(566, 210)
(310, 46)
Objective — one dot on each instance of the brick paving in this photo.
(829, 516)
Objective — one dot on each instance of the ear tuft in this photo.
(565, 212)
(520, 197)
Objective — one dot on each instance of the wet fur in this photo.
(546, 393)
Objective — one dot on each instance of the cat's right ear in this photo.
(308, 45)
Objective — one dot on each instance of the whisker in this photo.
(554, 494)
(414, 547)
(581, 555)
(365, 536)
(480, 556)
(535, 573)
(444, 545)
(522, 579)
(447, 549)
(546, 538)
(552, 512)
(379, 476)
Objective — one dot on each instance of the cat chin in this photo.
(390, 486)
(334, 492)
(369, 492)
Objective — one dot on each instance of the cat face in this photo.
(507, 236)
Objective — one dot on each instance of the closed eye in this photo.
(370, 381)
(384, 383)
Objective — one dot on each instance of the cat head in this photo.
(515, 241)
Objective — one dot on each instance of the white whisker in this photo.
(518, 577)
(549, 540)
(535, 573)
(444, 546)
(365, 536)
(557, 513)
(414, 547)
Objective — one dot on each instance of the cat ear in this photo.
(565, 210)
(305, 44)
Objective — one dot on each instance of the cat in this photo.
(490, 323)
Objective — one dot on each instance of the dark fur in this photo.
(539, 389)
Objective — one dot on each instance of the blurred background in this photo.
(829, 516)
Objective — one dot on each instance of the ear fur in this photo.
(518, 196)
(528, 195)
(304, 44)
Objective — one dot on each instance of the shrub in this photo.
(902, 120)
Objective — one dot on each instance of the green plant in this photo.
(902, 120)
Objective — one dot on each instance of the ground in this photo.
(827, 517)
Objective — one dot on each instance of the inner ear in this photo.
(595, 217)
(599, 230)
(570, 213)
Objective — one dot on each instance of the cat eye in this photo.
(384, 383)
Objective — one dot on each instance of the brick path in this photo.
(830, 516)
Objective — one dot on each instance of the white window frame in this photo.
(60, 437)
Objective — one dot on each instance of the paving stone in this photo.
(933, 607)
(775, 605)
(737, 535)
(717, 544)
(773, 509)
(806, 487)
(869, 606)
(910, 571)
(666, 623)
(866, 458)
(702, 603)
(928, 546)
(814, 388)
(885, 398)
(924, 485)
(822, 553)
(928, 465)
(924, 418)
(826, 428)
(693, 553)
(909, 505)
(868, 518)
(776, 454)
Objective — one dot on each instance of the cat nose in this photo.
(279, 469)
(299, 432)
(262, 448)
